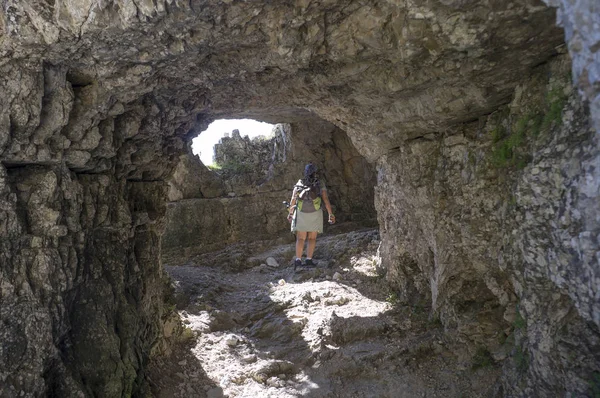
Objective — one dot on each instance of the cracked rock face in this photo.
(493, 227)
(100, 97)
(383, 71)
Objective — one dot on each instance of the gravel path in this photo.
(331, 331)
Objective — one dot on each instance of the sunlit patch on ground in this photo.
(313, 304)
(329, 331)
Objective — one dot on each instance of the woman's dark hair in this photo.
(311, 178)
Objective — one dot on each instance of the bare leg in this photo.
(300, 239)
(312, 242)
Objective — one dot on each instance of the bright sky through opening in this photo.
(205, 142)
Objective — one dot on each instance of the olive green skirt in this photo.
(309, 222)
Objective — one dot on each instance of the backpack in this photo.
(305, 192)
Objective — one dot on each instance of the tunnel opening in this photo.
(203, 145)
(231, 235)
(239, 196)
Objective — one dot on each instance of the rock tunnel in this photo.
(479, 120)
(242, 202)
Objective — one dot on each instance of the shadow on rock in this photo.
(247, 342)
(329, 331)
(181, 374)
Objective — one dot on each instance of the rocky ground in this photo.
(331, 331)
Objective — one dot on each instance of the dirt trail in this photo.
(331, 331)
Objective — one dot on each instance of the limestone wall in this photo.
(493, 226)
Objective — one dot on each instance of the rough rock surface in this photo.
(495, 227)
(78, 256)
(241, 199)
(100, 97)
(264, 332)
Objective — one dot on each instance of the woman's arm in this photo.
(328, 206)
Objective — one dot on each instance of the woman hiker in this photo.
(306, 215)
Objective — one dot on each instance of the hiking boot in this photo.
(297, 263)
(309, 263)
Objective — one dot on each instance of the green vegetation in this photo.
(519, 322)
(169, 309)
(374, 262)
(521, 360)
(520, 357)
(509, 147)
(187, 335)
(536, 124)
(555, 102)
(499, 133)
(482, 358)
(263, 138)
(510, 339)
(392, 298)
(233, 166)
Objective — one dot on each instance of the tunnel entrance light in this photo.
(203, 145)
